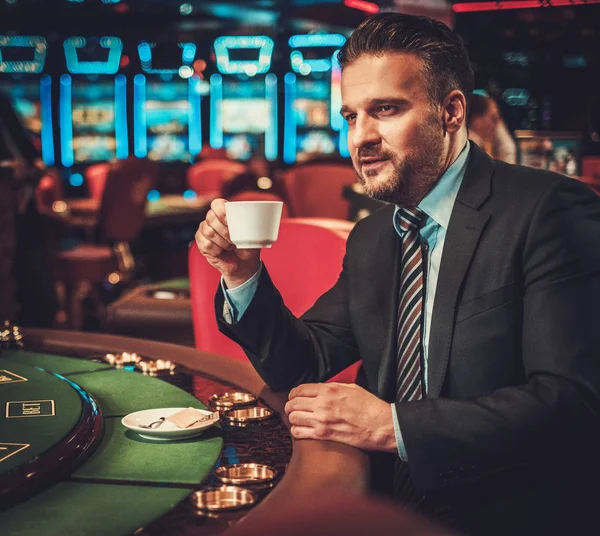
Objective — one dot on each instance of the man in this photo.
(471, 299)
(488, 130)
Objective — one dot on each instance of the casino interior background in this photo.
(142, 112)
(242, 98)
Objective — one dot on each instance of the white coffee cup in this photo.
(253, 224)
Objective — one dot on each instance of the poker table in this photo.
(167, 210)
(68, 465)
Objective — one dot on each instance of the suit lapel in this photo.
(387, 267)
(467, 222)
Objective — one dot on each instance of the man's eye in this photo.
(386, 108)
(350, 117)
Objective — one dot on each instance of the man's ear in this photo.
(454, 109)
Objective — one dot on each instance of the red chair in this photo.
(342, 227)
(48, 191)
(590, 167)
(95, 176)
(315, 189)
(119, 222)
(209, 152)
(305, 262)
(207, 177)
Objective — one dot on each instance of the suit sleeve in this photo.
(554, 416)
(287, 351)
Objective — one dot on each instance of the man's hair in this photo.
(479, 106)
(446, 64)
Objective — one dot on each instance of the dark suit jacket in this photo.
(503, 442)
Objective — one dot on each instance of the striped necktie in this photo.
(409, 376)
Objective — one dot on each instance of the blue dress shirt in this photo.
(438, 205)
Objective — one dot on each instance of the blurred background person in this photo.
(26, 289)
(488, 130)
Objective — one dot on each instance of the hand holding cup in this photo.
(232, 234)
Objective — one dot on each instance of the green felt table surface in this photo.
(24, 436)
(64, 365)
(182, 283)
(124, 455)
(100, 497)
(83, 509)
(119, 392)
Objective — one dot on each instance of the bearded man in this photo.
(471, 299)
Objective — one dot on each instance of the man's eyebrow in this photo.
(397, 101)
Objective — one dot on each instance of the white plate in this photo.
(167, 430)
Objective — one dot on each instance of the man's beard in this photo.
(411, 178)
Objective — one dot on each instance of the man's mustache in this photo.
(370, 153)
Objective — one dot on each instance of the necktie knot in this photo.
(411, 218)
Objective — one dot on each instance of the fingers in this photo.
(209, 242)
(217, 207)
(302, 418)
(302, 432)
(307, 390)
(212, 236)
(300, 404)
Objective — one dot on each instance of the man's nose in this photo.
(365, 132)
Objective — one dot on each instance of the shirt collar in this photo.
(438, 203)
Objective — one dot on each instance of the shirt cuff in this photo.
(238, 299)
(399, 440)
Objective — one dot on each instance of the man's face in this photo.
(395, 132)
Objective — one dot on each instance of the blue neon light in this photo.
(37, 43)
(336, 119)
(110, 66)
(186, 9)
(46, 117)
(188, 54)
(76, 179)
(216, 120)
(316, 40)
(122, 144)
(304, 66)
(140, 139)
(66, 124)
(145, 52)
(195, 120)
(189, 195)
(289, 119)
(225, 65)
(153, 195)
(343, 141)
(271, 132)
